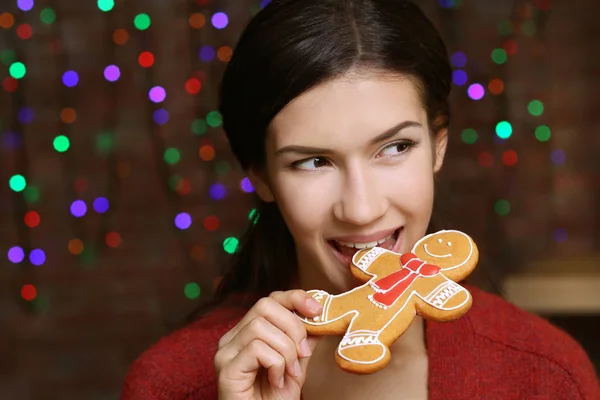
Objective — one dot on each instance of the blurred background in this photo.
(120, 201)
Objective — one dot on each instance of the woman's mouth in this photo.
(344, 251)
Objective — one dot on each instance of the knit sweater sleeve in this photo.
(180, 365)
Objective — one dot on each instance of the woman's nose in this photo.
(361, 200)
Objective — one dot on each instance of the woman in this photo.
(338, 112)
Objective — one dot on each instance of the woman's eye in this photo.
(312, 163)
(396, 148)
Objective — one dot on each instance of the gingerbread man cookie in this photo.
(396, 288)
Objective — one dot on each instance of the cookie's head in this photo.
(453, 251)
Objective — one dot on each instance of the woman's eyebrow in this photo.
(309, 150)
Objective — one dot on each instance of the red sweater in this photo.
(495, 351)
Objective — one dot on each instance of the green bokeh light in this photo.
(61, 143)
(47, 16)
(192, 290)
(106, 5)
(542, 133)
(8, 56)
(18, 183)
(199, 127)
(535, 108)
(222, 168)
(499, 56)
(528, 28)
(230, 245)
(172, 156)
(31, 194)
(469, 136)
(105, 142)
(504, 129)
(502, 207)
(214, 119)
(142, 21)
(505, 27)
(175, 181)
(17, 70)
(253, 215)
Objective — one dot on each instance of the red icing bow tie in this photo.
(390, 288)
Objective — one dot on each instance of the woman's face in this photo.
(351, 165)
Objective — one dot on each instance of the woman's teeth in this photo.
(364, 245)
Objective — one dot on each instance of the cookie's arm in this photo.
(336, 314)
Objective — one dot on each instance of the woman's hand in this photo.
(266, 354)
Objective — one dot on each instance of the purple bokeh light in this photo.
(37, 257)
(183, 220)
(218, 191)
(112, 73)
(459, 59)
(459, 77)
(558, 156)
(11, 140)
(219, 20)
(264, 3)
(78, 208)
(25, 5)
(560, 235)
(207, 53)
(476, 91)
(101, 205)
(16, 254)
(247, 185)
(25, 115)
(157, 94)
(160, 116)
(70, 78)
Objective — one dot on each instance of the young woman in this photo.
(338, 111)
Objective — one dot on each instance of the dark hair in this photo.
(290, 47)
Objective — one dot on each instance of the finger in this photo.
(276, 309)
(244, 367)
(313, 341)
(260, 328)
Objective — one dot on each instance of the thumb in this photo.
(313, 341)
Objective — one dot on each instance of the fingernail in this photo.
(281, 383)
(314, 305)
(297, 368)
(305, 348)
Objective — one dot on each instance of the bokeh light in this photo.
(485, 159)
(459, 77)
(499, 56)
(78, 208)
(17, 183)
(70, 78)
(106, 5)
(172, 156)
(218, 191)
(502, 207)
(476, 91)
(504, 129)
(468, 136)
(510, 158)
(211, 223)
(558, 156)
(246, 185)
(112, 239)
(47, 16)
(28, 292)
(142, 21)
(157, 94)
(25, 5)
(535, 108)
(458, 59)
(16, 254)
(146, 59)
(61, 143)
(207, 53)
(112, 73)
(219, 20)
(183, 221)
(160, 116)
(192, 290)
(542, 133)
(230, 245)
(101, 205)
(37, 257)
(32, 219)
(17, 70)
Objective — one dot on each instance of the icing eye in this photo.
(439, 240)
(449, 243)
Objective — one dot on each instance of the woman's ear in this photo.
(261, 185)
(440, 143)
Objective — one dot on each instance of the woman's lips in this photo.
(344, 254)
